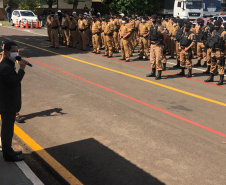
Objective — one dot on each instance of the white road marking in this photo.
(28, 173)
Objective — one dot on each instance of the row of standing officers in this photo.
(173, 35)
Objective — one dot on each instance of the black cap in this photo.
(107, 17)
(217, 23)
(80, 15)
(174, 20)
(154, 16)
(180, 21)
(211, 19)
(167, 17)
(52, 12)
(159, 17)
(201, 21)
(188, 25)
(124, 18)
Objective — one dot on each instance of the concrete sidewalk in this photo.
(18, 173)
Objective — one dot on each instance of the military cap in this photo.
(217, 23)
(180, 21)
(154, 16)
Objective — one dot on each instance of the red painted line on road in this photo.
(129, 63)
(136, 100)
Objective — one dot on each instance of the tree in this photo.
(133, 6)
(74, 2)
(28, 4)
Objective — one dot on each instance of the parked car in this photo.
(25, 15)
(220, 17)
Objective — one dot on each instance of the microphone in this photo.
(19, 59)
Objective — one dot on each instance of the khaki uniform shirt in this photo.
(82, 24)
(125, 29)
(55, 22)
(173, 31)
(73, 24)
(65, 22)
(48, 22)
(109, 28)
(103, 25)
(143, 29)
(96, 27)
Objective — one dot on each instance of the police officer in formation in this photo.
(154, 36)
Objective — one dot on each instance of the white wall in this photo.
(81, 4)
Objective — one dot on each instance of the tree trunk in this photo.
(75, 5)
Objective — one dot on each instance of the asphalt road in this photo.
(107, 124)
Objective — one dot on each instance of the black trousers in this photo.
(8, 120)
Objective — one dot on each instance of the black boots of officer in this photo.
(198, 63)
(210, 79)
(208, 70)
(178, 64)
(159, 75)
(182, 72)
(152, 74)
(189, 73)
(221, 81)
(205, 64)
(164, 66)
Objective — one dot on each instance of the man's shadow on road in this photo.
(45, 113)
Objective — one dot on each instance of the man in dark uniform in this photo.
(10, 98)
(158, 38)
(217, 43)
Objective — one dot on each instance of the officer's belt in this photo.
(108, 34)
(82, 30)
(142, 36)
(64, 28)
(55, 27)
(96, 33)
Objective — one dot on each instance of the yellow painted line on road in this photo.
(61, 170)
(129, 75)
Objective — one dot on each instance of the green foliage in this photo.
(28, 4)
(133, 6)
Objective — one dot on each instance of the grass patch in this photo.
(5, 23)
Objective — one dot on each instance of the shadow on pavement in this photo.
(50, 112)
(95, 164)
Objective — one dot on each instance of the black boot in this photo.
(189, 73)
(198, 63)
(221, 81)
(205, 64)
(164, 66)
(208, 70)
(210, 79)
(159, 76)
(216, 71)
(152, 74)
(181, 73)
(178, 64)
